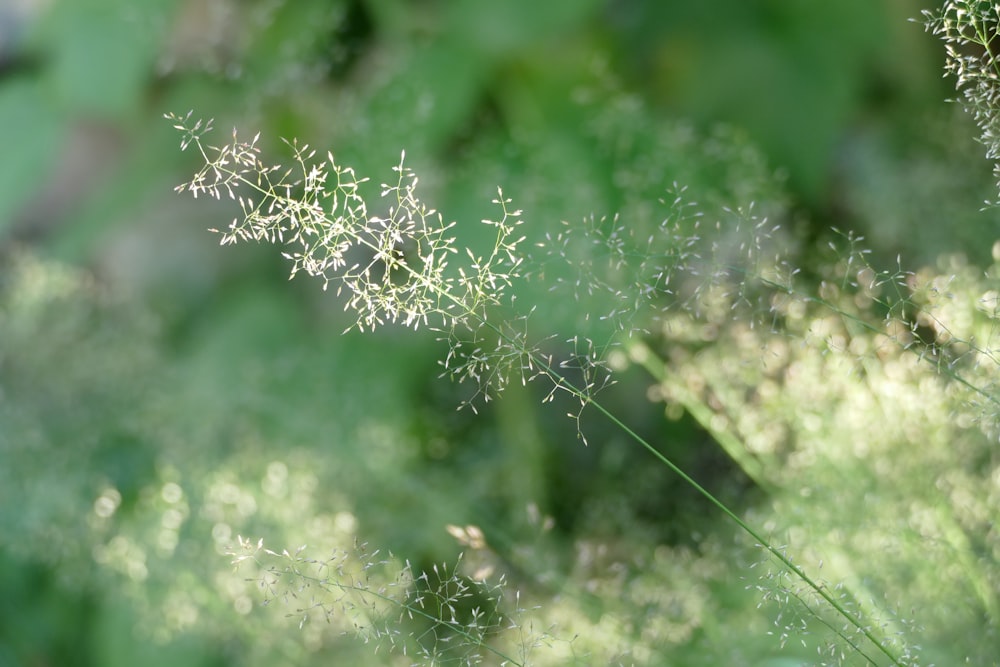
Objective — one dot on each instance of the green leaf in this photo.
(30, 133)
(104, 53)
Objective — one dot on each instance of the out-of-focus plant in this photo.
(869, 411)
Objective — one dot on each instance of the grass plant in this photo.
(816, 383)
(402, 266)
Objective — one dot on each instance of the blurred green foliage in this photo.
(160, 395)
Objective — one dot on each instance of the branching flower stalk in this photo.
(969, 30)
(395, 268)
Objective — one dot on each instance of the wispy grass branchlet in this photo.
(969, 30)
(401, 266)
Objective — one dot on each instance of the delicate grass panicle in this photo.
(404, 267)
(968, 29)
(398, 267)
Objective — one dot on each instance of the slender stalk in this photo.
(819, 589)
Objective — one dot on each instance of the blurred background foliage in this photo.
(160, 395)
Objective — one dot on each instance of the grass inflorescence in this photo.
(404, 265)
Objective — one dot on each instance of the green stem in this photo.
(761, 541)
